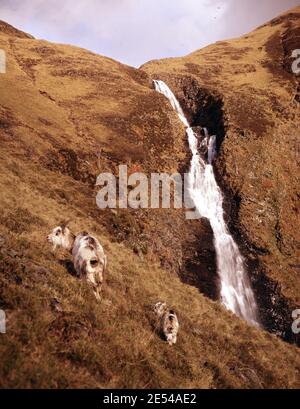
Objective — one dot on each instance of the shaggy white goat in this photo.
(88, 254)
(168, 322)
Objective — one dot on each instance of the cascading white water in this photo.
(236, 292)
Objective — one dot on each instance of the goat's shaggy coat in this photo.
(88, 254)
(169, 324)
(89, 260)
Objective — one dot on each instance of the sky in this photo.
(136, 31)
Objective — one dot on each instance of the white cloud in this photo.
(135, 31)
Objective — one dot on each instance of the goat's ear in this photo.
(64, 224)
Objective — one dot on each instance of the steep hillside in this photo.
(244, 91)
(59, 106)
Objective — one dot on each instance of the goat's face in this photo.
(159, 308)
(59, 237)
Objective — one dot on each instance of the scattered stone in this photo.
(56, 305)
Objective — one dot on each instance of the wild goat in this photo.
(88, 254)
(168, 322)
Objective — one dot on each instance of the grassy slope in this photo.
(56, 97)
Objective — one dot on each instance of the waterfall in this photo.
(235, 292)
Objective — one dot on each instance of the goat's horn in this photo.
(64, 223)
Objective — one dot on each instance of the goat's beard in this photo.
(54, 247)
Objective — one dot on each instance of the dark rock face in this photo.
(275, 310)
(202, 107)
(199, 260)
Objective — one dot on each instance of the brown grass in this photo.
(113, 343)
